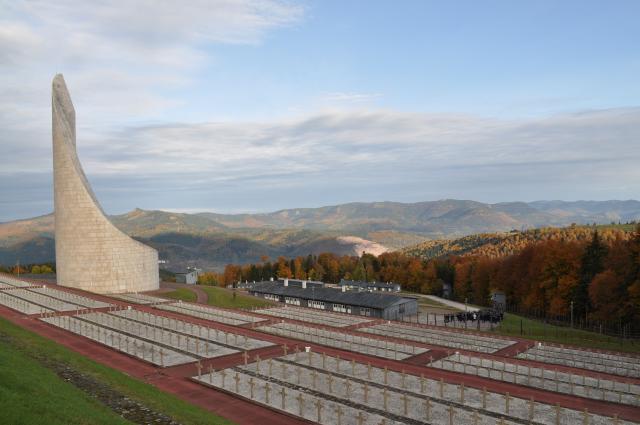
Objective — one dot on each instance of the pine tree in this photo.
(591, 264)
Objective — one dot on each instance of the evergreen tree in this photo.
(591, 264)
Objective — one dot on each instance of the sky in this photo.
(260, 105)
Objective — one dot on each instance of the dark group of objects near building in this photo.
(488, 315)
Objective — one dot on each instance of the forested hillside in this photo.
(501, 244)
(596, 270)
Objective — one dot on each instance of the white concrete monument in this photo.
(91, 253)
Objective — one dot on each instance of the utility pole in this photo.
(571, 314)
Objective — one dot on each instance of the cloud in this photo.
(125, 58)
(129, 59)
(349, 98)
(366, 155)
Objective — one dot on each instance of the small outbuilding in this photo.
(189, 276)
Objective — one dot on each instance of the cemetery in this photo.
(327, 389)
(45, 301)
(70, 297)
(136, 298)
(157, 339)
(543, 377)
(464, 341)
(11, 282)
(616, 364)
(336, 389)
(345, 341)
(19, 304)
(210, 313)
(319, 317)
(187, 328)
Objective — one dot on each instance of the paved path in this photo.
(201, 296)
(450, 303)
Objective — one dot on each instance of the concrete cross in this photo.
(557, 414)
(339, 414)
(386, 373)
(531, 404)
(484, 397)
(369, 370)
(360, 418)
(462, 393)
(284, 349)
(404, 379)
(245, 357)
(211, 374)
(385, 397)
(585, 416)
(237, 379)
(283, 397)
(337, 363)
(347, 389)
(314, 375)
(267, 390)
(506, 402)
(421, 383)
(224, 375)
(475, 417)
(405, 401)
(451, 415)
(330, 379)
(366, 392)
(300, 403)
(251, 385)
(318, 404)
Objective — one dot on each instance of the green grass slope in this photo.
(31, 393)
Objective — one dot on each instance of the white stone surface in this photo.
(69, 297)
(210, 313)
(545, 378)
(45, 301)
(139, 298)
(144, 349)
(313, 316)
(21, 305)
(91, 253)
(616, 364)
(12, 282)
(462, 340)
(345, 341)
(341, 384)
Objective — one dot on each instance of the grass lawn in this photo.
(31, 393)
(538, 331)
(181, 294)
(220, 297)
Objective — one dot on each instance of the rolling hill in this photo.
(212, 240)
(507, 243)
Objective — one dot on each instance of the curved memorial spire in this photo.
(91, 253)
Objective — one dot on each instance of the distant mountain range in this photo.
(212, 240)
